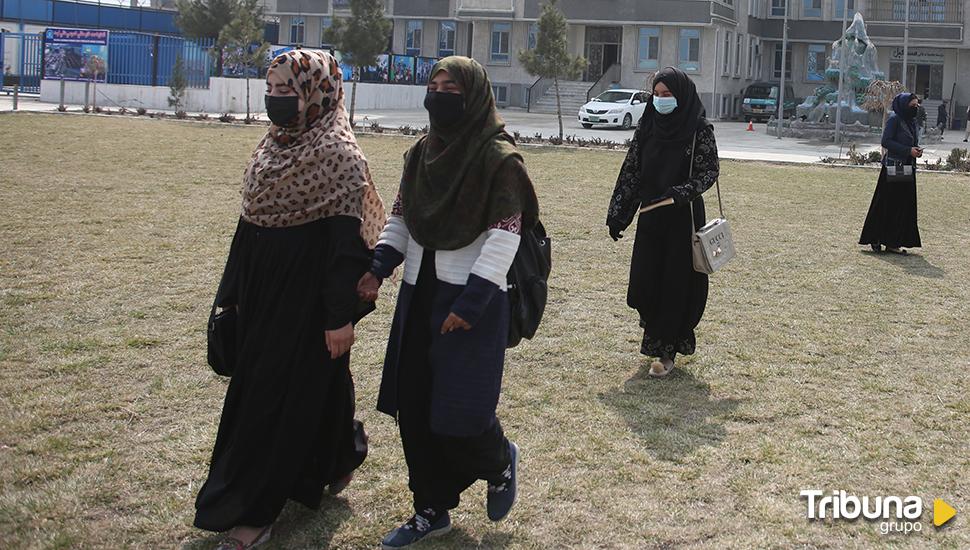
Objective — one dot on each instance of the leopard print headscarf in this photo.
(313, 168)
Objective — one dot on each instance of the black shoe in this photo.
(417, 528)
(876, 247)
(501, 496)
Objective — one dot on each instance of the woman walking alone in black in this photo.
(891, 221)
(309, 214)
(664, 288)
(465, 199)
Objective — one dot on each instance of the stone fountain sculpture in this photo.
(855, 54)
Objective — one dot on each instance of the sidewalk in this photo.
(734, 142)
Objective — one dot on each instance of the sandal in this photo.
(659, 370)
(232, 543)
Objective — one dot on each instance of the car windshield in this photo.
(762, 92)
(614, 97)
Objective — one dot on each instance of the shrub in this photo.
(181, 115)
(141, 111)
(61, 108)
(226, 117)
(958, 159)
(86, 109)
(376, 127)
(202, 116)
(875, 156)
(97, 109)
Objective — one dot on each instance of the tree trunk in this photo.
(247, 92)
(353, 96)
(555, 80)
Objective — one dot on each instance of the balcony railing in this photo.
(920, 11)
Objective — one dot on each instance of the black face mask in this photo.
(281, 110)
(445, 109)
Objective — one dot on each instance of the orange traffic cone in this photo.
(750, 126)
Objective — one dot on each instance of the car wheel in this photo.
(627, 121)
(587, 126)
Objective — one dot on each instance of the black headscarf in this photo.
(902, 110)
(663, 138)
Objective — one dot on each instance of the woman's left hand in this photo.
(454, 322)
(339, 341)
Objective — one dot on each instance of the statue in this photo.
(855, 54)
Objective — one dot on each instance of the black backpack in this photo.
(528, 284)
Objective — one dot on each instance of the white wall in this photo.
(224, 95)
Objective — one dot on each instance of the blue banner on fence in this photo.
(76, 54)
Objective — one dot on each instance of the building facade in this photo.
(724, 44)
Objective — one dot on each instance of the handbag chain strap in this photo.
(717, 185)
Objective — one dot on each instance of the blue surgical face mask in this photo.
(664, 105)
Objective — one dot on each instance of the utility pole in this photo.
(784, 59)
(906, 47)
(715, 108)
(842, 48)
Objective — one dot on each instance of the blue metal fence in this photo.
(62, 13)
(148, 60)
(27, 56)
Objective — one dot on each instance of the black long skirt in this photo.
(287, 427)
(664, 287)
(891, 220)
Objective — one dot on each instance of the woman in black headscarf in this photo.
(664, 287)
(891, 221)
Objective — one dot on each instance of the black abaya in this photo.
(666, 291)
(891, 220)
(287, 427)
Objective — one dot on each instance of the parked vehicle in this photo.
(760, 101)
(612, 108)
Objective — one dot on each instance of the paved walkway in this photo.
(734, 142)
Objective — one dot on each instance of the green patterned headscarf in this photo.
(459, 180)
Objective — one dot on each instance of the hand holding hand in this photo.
(454, 322)
(368, 286)
(340, 341)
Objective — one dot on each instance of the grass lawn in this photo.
(819, 365)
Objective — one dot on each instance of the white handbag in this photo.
(713, 244)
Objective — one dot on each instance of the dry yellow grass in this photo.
(819, 366)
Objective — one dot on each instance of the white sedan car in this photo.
(614, 108)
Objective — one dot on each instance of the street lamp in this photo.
(842, 60)
(784, 59)
(906, 47)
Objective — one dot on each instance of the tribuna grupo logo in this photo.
(895, 514)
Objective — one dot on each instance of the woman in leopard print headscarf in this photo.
(310, 214)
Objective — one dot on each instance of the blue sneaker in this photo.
(501, 497)
(416, 529)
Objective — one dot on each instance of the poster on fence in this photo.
(423, 71)
(402, 69)
(75, 54)
(377, 73)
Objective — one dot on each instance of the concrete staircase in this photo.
(572, 95)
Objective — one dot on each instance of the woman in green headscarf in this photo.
(465, 198)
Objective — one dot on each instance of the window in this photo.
(533, 36)
(689, 56)
(840, 7)
(446, 39)
(776, 69)
(778, 8)
(325, 24)
(816, 63)
(501, 94)
(499, 49)
(752, 49)
(412, 44)
(726, 54)
(812, 8)
(737, 54)
(297, 30)
(648, 48)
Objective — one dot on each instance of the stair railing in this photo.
(603, 82)
(535, 92)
